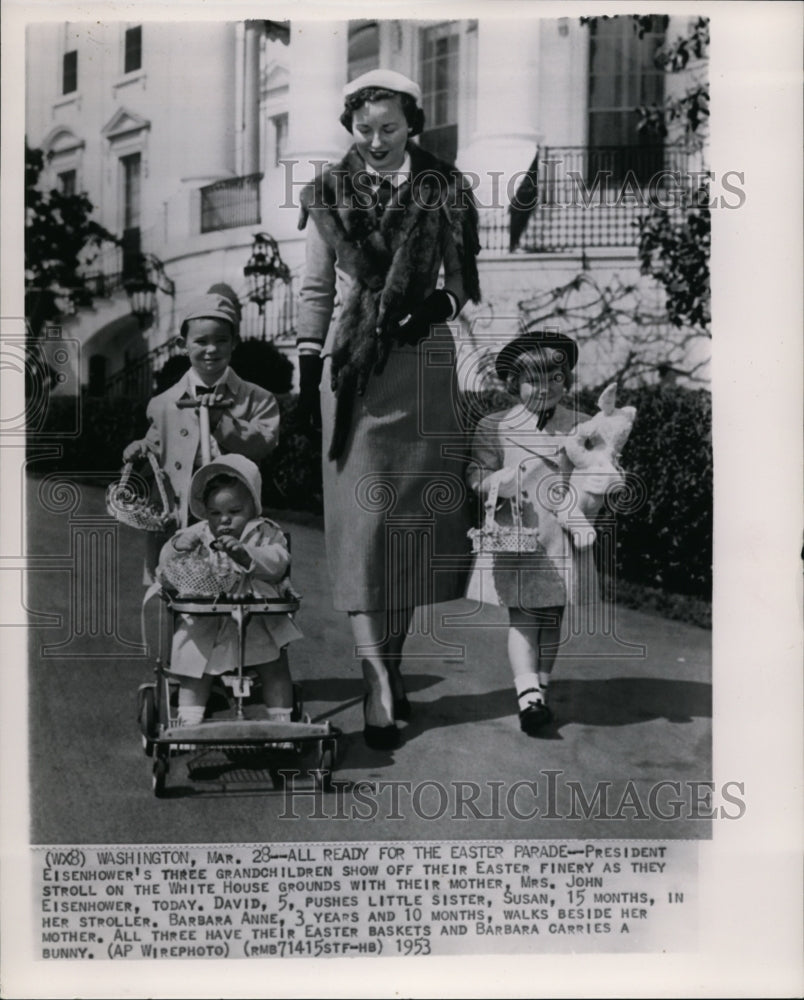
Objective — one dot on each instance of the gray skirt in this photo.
(396, 508)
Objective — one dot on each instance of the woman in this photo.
(384, 221)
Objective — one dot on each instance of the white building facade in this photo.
(190, 138)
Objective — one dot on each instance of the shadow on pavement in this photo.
(621, 701)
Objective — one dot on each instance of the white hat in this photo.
(242, 468)
(387, 79)
(212, 306)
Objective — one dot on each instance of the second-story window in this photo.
(69, 72)
(440, 88)
(133, 53)
(623, 76)
(131, 170)
(280, 123)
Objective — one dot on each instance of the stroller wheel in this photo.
(159, 776)
(322, 775)
(298, 704)
(147, 719)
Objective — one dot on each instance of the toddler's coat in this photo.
(208, 643)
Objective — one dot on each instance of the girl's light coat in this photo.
(558, 573)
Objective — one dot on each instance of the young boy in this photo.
(250, 426)
(225, 496)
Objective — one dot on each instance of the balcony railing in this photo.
(585, 197)
(105, 274)
(278, 319)
(114, 264)
(231, 203)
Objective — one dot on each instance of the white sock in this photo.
(191, 715)
(527, 686)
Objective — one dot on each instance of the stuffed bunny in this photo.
(594, 449)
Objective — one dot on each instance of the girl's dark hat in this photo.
(505, 363)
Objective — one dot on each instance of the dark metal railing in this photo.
(106, 273)
(231, 203)
(278, 319)
(108, 270)
(584, 197)
(138, 379)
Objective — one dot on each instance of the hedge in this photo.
(665, 543)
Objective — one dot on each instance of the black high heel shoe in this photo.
(402, 708)
(380, 737)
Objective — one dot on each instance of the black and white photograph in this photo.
(386, 585)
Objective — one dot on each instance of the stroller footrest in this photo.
(232, 731)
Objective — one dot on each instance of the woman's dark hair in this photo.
(220, 482)
(414, 115)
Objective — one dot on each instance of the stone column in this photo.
(251, 100)
(318, 53)
(204, 115)
(318, 61)
(505, 138)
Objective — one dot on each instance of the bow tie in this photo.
(544, 417)
(203, 390)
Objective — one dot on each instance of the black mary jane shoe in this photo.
(402, 708)
(380, 737)
(534, 716)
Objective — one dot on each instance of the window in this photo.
(131, 190)
(622, 76)
(280, 124)
(439, 77)
(364, 48)
(133, 49)
(130, 166)
(67, 182)
(69, 72)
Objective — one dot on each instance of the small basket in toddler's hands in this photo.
(493, 537)
(123, 503)
(200, 572)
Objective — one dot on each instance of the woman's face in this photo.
(542, 379)
(380, 131)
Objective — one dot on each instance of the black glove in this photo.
(308, 409)
(436, 308)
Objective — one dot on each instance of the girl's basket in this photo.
(200, 572)
(493, 537)
(123, 503)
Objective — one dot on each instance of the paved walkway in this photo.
(631, 706)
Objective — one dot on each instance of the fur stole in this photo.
(393, 258)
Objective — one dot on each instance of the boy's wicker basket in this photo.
(493, 537)
(125, 506)
(201, 573)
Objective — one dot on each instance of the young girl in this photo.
(225, 494)
(521, 452)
